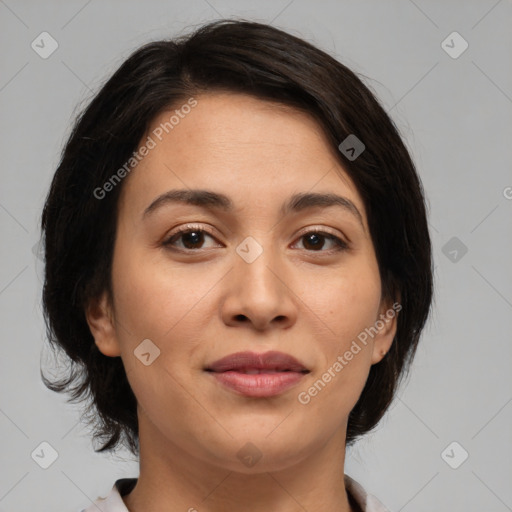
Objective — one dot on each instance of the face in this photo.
(252, 271)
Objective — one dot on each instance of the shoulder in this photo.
(367, 502)
(113, 501)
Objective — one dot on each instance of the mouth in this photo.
(258, 375)
(256, 371)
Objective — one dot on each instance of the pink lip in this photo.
(277, 372)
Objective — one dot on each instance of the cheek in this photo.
(157, 300)
(154, 295)
(347, 306)
(346, 303)
(336, 384)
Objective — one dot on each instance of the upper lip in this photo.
(272, 360)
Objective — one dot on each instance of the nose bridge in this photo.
(258, 293)
(256, 266)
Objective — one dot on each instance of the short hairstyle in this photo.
(234, 56)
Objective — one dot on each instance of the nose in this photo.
(260, 294)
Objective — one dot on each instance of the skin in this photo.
(200, 305)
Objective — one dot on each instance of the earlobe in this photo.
(387, 327)
(101, 323)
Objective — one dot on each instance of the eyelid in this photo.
(340, 240)
(322, 229)
(190, 227)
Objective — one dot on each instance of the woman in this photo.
(239, 266)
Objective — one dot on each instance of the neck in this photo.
(172, 479)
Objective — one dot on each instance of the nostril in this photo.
(241, 318)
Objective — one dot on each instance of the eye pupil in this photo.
(192, 238)
(315, 240)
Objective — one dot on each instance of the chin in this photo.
(261, 452)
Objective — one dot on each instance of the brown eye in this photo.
(188, 239)
(193, 239)
(313, 241)
(316, 241)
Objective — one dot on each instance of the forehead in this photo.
(250, 149)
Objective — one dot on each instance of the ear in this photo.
(386, 323)
(102, 325)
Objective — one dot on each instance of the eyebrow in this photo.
(214, 200)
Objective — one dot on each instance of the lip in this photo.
(258, 375)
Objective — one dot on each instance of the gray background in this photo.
(455, 114)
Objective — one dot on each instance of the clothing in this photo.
(114, 503)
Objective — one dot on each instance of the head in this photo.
(254, 117)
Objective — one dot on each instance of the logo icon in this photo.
(44, 45)
(352, 147)
(45, 455)
(249, 455)
(249, 249)
(454, 45)
(454, 249)
(146, 352)
(454, 455)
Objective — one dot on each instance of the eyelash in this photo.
(340, 245)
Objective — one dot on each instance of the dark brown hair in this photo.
(267, 63)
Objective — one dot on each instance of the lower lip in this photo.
(258, 385)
